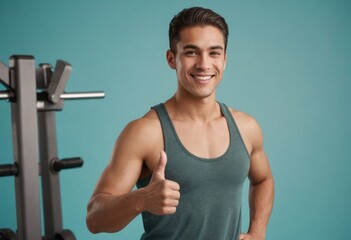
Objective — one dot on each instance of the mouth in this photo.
(202, 78)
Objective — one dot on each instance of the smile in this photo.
(202, 77)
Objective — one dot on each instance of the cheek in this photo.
(221, 66)
(183, 66)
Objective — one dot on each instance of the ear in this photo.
(171, 59)
(225, 61)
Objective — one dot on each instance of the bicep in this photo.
(259, 167)
(124, 168)
(259, 164)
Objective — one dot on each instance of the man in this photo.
(189, 157)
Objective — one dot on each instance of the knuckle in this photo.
(173, 210)
(163, 184)
(164, 203)
(163, 194)
(177, 195)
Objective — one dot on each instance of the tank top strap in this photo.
(233, 128)
(229, 118)
(168, 133)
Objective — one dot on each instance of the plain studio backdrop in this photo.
(288, 66)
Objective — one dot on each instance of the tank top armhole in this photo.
(143, 182)
(230, 116)
(159, 111)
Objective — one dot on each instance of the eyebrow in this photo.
(191, 46)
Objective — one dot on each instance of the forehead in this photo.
(201, 36)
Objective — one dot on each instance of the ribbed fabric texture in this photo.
(210, 189)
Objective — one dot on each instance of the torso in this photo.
(210, 181)
(205, 140)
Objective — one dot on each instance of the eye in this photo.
(215, 53)
(190, 53)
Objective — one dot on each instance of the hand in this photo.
(162, 195)
(245, 236)
(248, 236)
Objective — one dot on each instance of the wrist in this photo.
(138, 200)
(258, 232)
(257, 236)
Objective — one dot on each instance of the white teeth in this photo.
(203, 78)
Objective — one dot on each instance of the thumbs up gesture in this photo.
(162, 195)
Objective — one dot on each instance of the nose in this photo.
(203, 62)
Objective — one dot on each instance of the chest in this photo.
(206, 158)
(194, 174)
(205, 140)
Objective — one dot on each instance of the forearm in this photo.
(261, 203)
(108, 213)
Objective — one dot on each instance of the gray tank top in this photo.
(210, 189)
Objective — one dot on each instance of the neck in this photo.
(195, 109)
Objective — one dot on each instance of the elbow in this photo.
(96, 224)
(90, 222)
(94, 227)
(91, 218)
(102, 217)
(91, 226)
(265, 180)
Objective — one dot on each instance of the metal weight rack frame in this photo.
(35, 95)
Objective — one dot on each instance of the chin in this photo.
(203, 95)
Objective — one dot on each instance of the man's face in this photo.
(199, 62)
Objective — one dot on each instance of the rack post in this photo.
(25, 147)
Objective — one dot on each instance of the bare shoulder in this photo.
(142, 134)
(139, 141)
(244, 119)
(249, 129)
(143, 126)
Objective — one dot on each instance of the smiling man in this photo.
(189, 156)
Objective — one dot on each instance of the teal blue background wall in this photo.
(289, 65)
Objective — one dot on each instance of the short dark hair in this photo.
(195, 16)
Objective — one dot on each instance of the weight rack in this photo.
(35, 94)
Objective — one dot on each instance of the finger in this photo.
(171, 203)
(170, 210)
(173, 185)
(159, 171)
(173, 195)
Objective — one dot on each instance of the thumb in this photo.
(159, 171)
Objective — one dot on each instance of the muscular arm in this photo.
(114, 204)
(261, 193)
